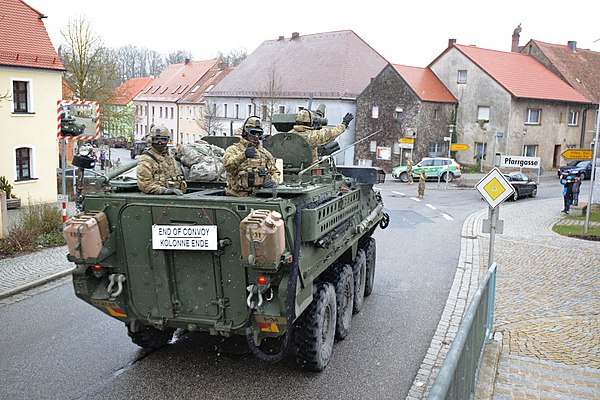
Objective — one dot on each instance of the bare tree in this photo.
(178, 56)
(91, 70)
(233, 58)
(211, 123)
(5, 96)
(137, 62)
(270, 95)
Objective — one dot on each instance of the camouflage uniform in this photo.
(245, 175)
(421, 187)
(409, 171)
(318, 137)
(157, 171)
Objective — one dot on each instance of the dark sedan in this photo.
(524, 187)
(582, 169)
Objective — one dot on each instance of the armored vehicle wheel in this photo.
(370, 247)
(342, 279)
(315, 330)
(403, 177)
(149, 337)
(359, 267)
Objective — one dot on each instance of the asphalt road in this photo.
(56, 346)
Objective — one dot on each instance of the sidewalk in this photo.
(547, 315)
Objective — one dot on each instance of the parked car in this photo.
(582, 168)
(434, 168)
(571, 163)
(523, 185)
(119, 142)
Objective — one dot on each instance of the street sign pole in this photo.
(593, 175)
(493, 217)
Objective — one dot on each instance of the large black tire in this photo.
(342, 279)
(315, 330)
(149, 337)
(359, 268)
(370, 247)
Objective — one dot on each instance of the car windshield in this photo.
(582, 163)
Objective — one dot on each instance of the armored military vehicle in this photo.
(292, 263)
(70, 127)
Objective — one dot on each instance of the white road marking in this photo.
(430, 206)
(446, 216)
(398, 193)
(415, 199)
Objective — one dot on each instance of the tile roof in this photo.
(580, 68)
(330, 65)
(131, 88)
(24, 41)
(211, 78)
(425, 84)
(521, 75)
(176, 80)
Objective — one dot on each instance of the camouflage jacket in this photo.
(155, 170)
(245, 175)
(318, 137)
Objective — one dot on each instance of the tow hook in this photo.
(385, 221)
(252, 290)
(115, 279)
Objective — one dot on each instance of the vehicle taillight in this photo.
(261, 280)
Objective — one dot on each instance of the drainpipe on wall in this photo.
(583, 124)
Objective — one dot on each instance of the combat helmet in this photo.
(159, 137)
(253, 127)
(304, 117)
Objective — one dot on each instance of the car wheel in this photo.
(449, 176)
(582, 176)
(403, 177)
(534, 192)
(515, 195)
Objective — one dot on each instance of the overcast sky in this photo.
(404, 32)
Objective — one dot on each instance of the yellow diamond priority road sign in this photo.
(494, 188)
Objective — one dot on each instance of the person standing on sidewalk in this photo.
(102, 159)
(576, 186)
(567, 183)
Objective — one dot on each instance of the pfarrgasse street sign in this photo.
(494, 188)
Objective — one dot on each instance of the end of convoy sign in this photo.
(184, 237)
(520, 162)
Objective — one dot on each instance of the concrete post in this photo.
(3, 215)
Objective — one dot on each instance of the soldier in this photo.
(409, 170)
(249, 166)
(318, 137)
(157, 172)
(421, 187)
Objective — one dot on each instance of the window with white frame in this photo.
(480, 149)
(436, 115)
(172, 113)
(160, 112)
(462, 76)
(23, 163)
(21, 97)
(281, 109)
(249, 113)
(375, 112)
(533, 116)
(573, 118)
(437, 149)
(265, 112)
(225, 110)
(373, 146)
(483, 113)
(237, 111)
(399, 112)
(530, 150)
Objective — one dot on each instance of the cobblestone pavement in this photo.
(547, 307)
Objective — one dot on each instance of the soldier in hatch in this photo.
(249, 166)
(318, 137)
(157, 172)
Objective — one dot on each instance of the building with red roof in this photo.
(122, 109)
(509, 102)
(157, 103)
(580, 68)
(30, 86)
(412, 108)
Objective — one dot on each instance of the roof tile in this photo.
(425, 84)
(131, 88)
(24, 41)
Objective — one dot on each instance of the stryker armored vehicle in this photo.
(69, 126)
(292, 263)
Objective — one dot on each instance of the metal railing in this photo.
(458, 375)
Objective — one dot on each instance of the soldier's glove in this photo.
(269, 183)
(170, 191)
(347, 119)
(250, 152)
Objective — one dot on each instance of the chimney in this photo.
(573, 45)
(280, 38)
(451, 42)
(514, 48)
(295, 35)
